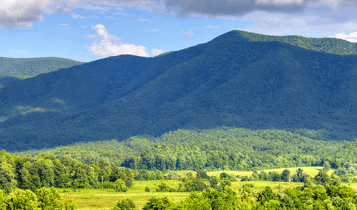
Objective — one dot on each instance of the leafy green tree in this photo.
(7, 179)
(48, 198)
(120, 186)
(3, 196)
(214, 182)
(125, 204)
(285, 175)
(322, 178)
(266, 195)
(21, 199)
(161, 203)
(326, 166)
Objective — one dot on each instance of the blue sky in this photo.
(87, 30)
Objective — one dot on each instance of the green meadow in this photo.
(107, 198)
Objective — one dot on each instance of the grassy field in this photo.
(107, 198)
(312, 171)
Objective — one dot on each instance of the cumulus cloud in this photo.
(156, 52)
(352, 37)
(107, 45)
(19, 13)
(317, 19)
(267, 16)
(188, 33)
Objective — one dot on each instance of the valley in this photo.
(245, 121)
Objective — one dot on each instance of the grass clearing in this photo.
(106, 198)
(312, 171)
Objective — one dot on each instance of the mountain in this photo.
(231, 81)
(33, 66)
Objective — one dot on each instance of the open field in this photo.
(312, 171)
(107, 198)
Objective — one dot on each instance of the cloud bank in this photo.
(107, 45)
(352, 37)
(267, 16)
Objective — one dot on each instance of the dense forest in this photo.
(214, 149)
(33, 66)
(232, 81)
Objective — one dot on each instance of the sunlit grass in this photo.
(107, 198)
(312, 171)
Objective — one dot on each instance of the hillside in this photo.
(33, 66)
(229, 81)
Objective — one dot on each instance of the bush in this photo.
(120, 186)
(147, 189)
(126, 204)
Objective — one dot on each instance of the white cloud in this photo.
(312, 17)
(96, 7)
(83, 26)
(75, 16)
(352, 37)
(315, 20)
(210, 26)
(107, 45)
(188, 33)
(19, 13)
(156, 52)
(19, 51)
(110, 17)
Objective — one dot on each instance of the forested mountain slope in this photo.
(33, 66)
(229, 81)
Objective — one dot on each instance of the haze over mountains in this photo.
(239, 79)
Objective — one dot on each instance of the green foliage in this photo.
(155, 203)
(322, 178)
(120, 186)
(164, 188)
(21, 199)
(238, 149)
(147, 189)
(125, 204)
(7, 179)
(48, 198)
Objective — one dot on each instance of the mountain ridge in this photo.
(33, 66)
(247, 84)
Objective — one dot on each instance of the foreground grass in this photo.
(107, 198)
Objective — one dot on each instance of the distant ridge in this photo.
(328, 45)
(230, 81)
(33, 66)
